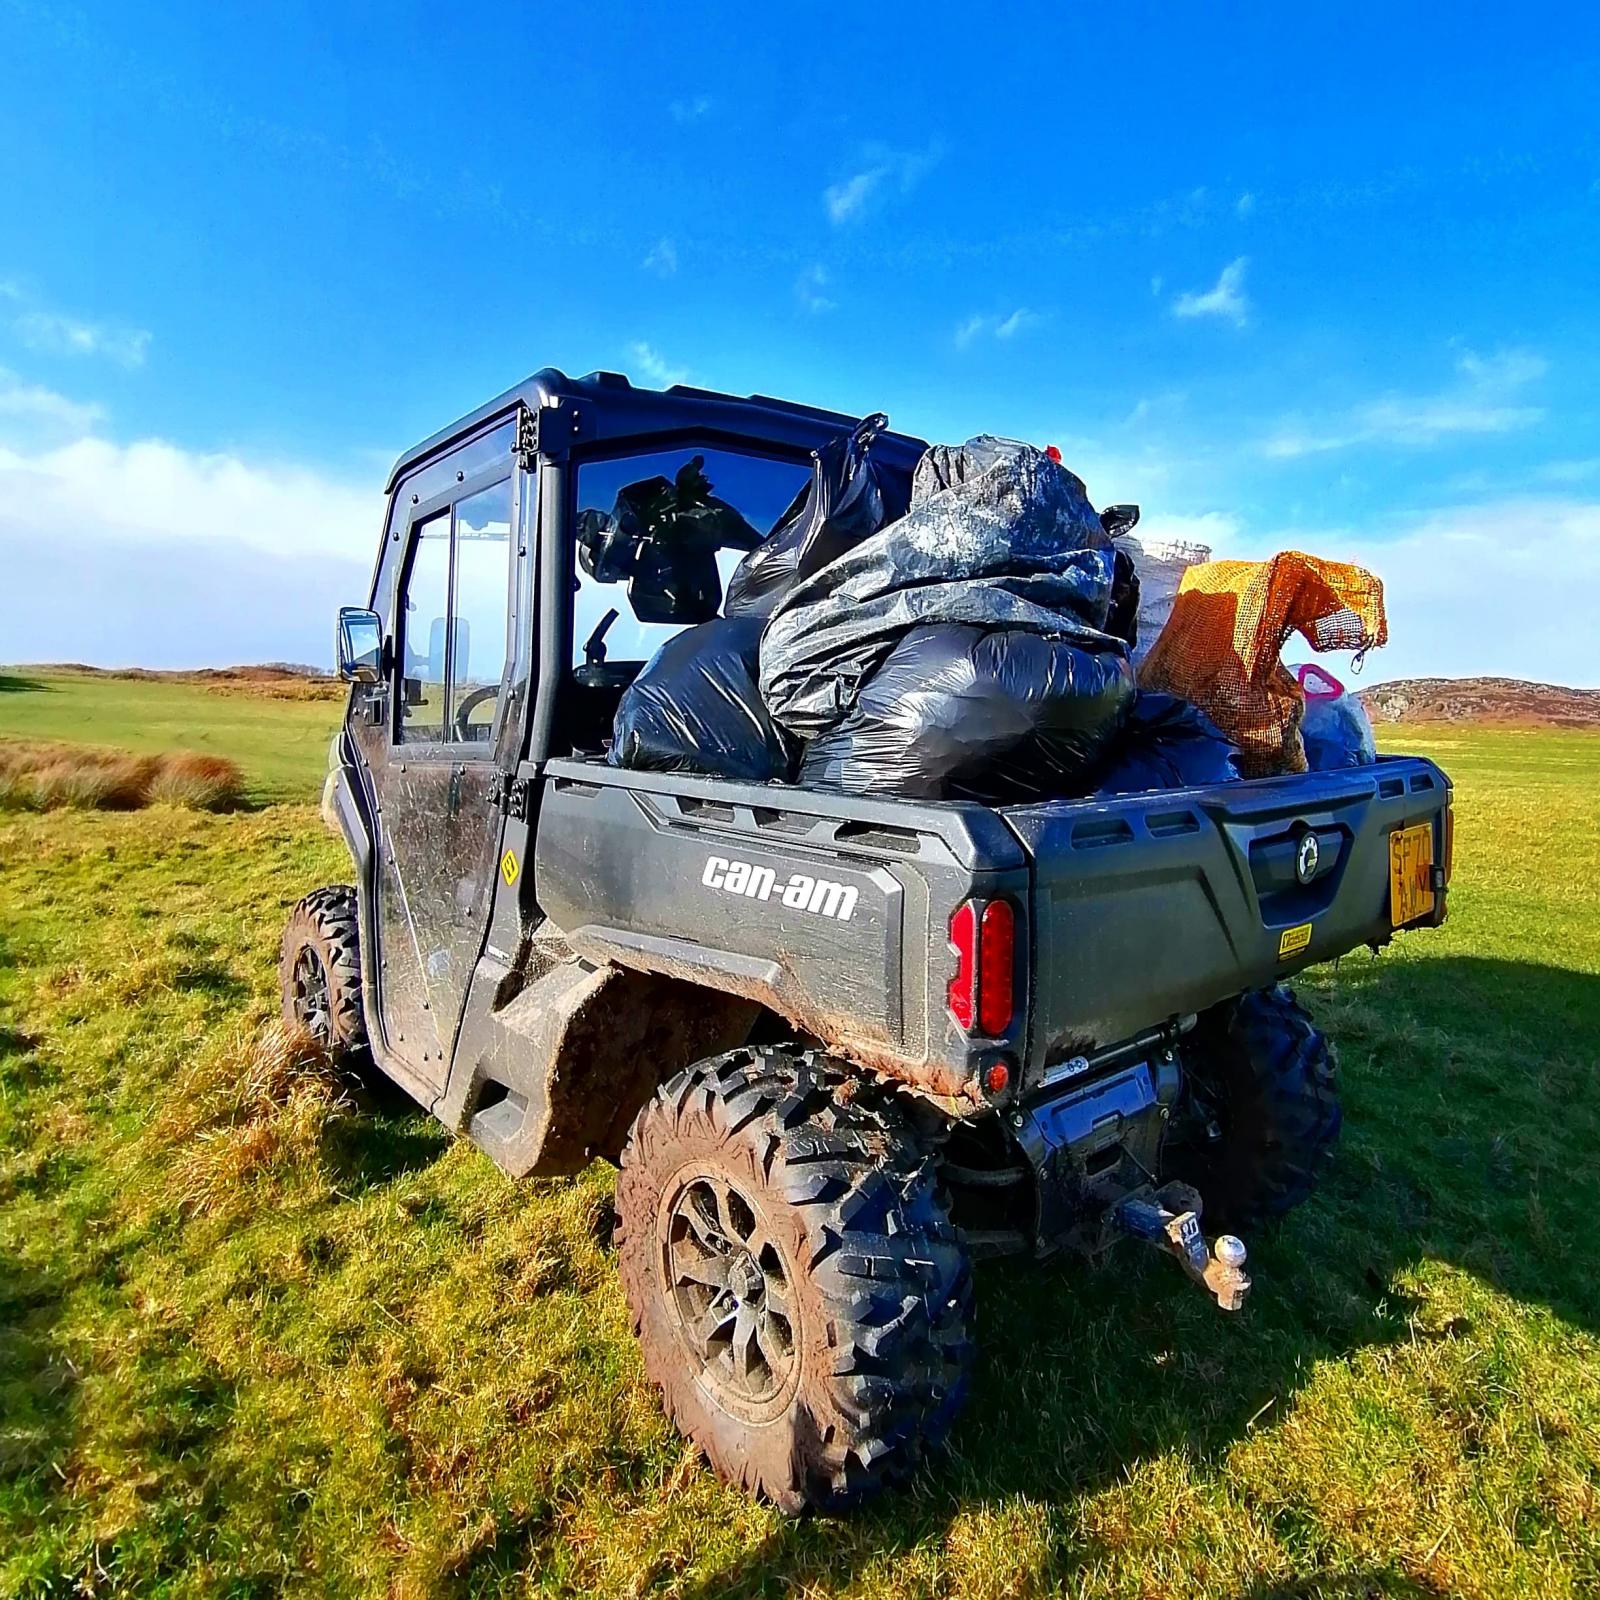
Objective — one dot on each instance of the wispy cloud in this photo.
(655, 366)
(1003, 327)
(1486, 398)
(32, 406)
(690, 109)
(1244, 205)
(662, 258)
(1225, 299)
(811, 290)
(882, 169)
(61, 335)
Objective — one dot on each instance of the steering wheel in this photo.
(466, 731)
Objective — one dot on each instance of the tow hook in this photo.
(1169, 1218)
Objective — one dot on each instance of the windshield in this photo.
(659, 534)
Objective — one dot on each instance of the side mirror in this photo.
(360, 645)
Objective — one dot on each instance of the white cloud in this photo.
(1445, 573)
(146, 553)
(844, 200)
(852, 196)
(34, 409)
(153, 490)
(811, 289)
(1244, 205)
(1225, 299)
(1156, 282)
(1484, 399)
(662, 258)
(690, 109)
(1004, 327)
(655, 366)
(60, 335)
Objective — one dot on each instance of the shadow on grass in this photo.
(368, 1152)
(37, 1385)
(15, 683)
(1473, 1113)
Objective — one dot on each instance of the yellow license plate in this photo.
(1410, 873)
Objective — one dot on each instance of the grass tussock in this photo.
(257, 1107)
(48, 777)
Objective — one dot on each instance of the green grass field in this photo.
(257, 1336)
(281, 744)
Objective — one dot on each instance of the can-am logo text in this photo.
(800, 893)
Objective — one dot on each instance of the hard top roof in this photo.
(609, 406)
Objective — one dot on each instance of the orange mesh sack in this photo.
(1231, 619)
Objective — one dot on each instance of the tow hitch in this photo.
(1169, 1218)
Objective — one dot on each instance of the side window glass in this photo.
(482, 598)
(424, 611)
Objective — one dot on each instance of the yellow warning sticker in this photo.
(1294, 940)
(509, 867)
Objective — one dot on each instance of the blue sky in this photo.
(1318, 278)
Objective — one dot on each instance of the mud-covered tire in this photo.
(1269, 1080)
(847, 1219)
(322, 940)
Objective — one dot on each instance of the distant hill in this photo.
(1486, 700)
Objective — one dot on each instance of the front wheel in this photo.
(319, 971)
(796, 1286)
(1265, 1092)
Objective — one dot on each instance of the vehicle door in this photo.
(437, 739)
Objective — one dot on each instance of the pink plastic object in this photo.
(1317, 683)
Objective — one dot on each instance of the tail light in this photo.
(983, 936)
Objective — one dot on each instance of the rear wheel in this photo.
(798, 1291)
(1267, 1108)
(319, 971)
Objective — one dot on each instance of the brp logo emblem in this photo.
(1307, 857)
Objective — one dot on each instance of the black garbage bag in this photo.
(1122, 615)
(850, 495)
(662, 536)
(958, 712)
(998, 535)
(695, 708)
(1166, 743)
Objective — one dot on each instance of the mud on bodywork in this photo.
(555, 1077)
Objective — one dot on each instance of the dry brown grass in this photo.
(44, 777)
(257, 1105)
(266, 682)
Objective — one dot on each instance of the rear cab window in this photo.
(659, 533)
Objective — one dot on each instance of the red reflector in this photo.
(1053, 451)
(996, 962)
(962, 995)
(997, 1077)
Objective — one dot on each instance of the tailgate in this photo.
(1153, 906)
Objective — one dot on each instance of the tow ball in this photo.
(1169, 1218)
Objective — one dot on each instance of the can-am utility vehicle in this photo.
(838, 1047)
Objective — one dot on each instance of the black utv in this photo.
(837, 1047)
